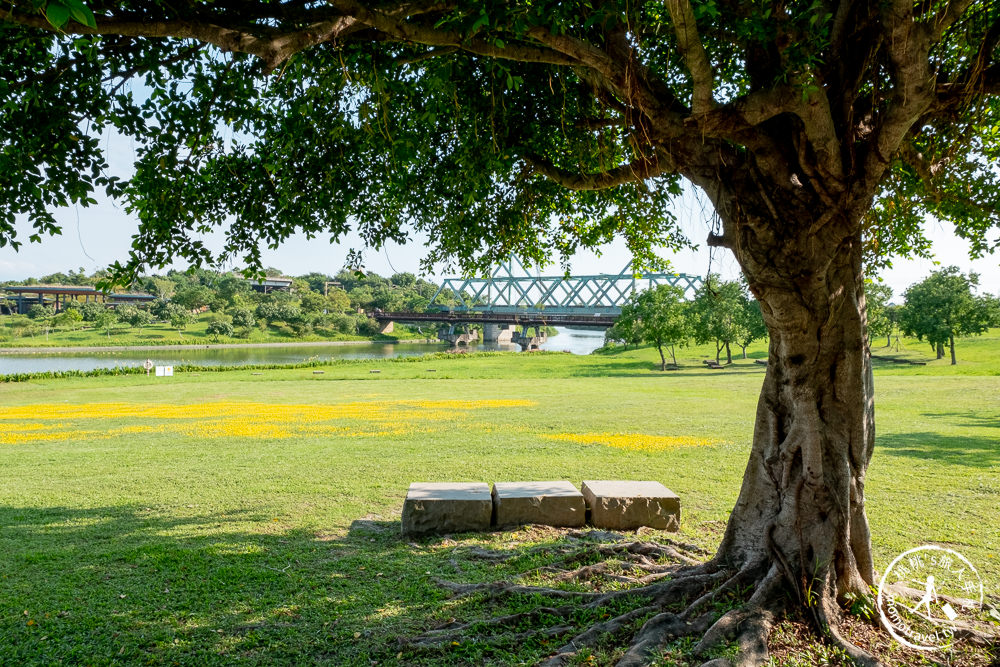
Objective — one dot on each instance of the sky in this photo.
(96, 236)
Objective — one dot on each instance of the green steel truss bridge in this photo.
(512, 292)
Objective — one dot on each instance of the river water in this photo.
(576, 341)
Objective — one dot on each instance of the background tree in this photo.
(69, 317)
(625, 329)
(40, 312)
(178, 316)
(716, 315)
(751, 323)
(193, 297)
(943, 306)
(243, 317)
(218, 329)
(91, 310)
(661, 317)
(881, 317)
(818, 131)
(105, 319)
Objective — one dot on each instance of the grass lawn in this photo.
(253, 517)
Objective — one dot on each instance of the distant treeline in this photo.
(315, 303)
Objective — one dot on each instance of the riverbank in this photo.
(210, 346)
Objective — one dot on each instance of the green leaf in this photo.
(57, 14)
(81, 13)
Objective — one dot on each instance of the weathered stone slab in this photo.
(627, 505)
(447, 507)
(547, 503)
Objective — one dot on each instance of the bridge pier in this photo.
(387, 327)
(529, 342)
(497, 333)
(451, 334)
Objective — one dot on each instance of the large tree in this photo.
(822, 132)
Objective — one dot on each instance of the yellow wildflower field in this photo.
(634, 441)
(223, 419)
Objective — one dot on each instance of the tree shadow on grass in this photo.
(134, 585)
(645, 368)
(972, 419)
(971, 451)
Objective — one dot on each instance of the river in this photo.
(576, 341)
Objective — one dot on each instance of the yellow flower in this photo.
(234, 419)
(633, 441)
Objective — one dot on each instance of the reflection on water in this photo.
(577, 341)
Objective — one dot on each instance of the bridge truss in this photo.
(512, 289)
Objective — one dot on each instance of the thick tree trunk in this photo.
(940, 350)
(801, 508)
(951, 342)
(729, 354)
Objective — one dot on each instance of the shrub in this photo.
(218, 328)
(242, 317)
(91, 311)
(39, 312)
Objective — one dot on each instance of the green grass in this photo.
(166, 548)
(161, 333)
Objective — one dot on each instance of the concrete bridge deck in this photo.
(532, 319)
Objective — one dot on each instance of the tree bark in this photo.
(729, 354)
(663, 359)
(802, 501)
(940, 350)
(951, 342)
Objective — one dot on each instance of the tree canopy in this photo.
(542, 127)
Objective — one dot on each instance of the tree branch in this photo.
(908, 46)
(427, 55)
(270, 46)
(637, 170)
(398, 29)
(946, 17)
(694, 55)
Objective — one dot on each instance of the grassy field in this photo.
(254, 516)
(12, 334)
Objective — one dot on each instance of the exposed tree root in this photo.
(677, 596)
(827, 615)
(594, 634)
(506, 588)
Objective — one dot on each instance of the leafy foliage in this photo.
(660, 317)
(942, 306)
(717, 315)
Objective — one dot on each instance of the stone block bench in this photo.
(456, 507)
(619, 505)
(447, 507)
(547, 503)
